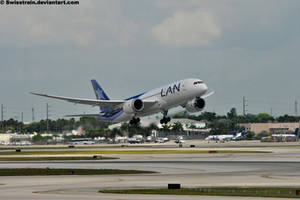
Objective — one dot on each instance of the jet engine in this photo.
(195, 105)
(133, 106)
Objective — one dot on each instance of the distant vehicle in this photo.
(267, 139)
(100, 139)
(120, 139)
(26, 143)
(136, 139)
(21, 143)
(110, 141)
(179, 140)
(4, 143)
(161, 140)
(149, 139)
(81, 141)
(188, 93)
(223, 138)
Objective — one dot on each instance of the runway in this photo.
(281, 168)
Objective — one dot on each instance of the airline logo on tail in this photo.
(296, 131)
(101, 95)
(234, 132)
(99, 92)
(239, 135)
(243, 132)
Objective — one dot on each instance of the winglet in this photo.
(39, 94)
(208, 94)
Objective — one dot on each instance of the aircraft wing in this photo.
(208, 94)
(92, 102)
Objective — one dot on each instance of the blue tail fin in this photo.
(296, 131)
(99, 92)
(243, 132)
(234, 132)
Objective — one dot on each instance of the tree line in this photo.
(224, 124)
(219, 124)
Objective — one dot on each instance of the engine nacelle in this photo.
(133, 106)
(195, 105)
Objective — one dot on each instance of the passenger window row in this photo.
(197, 82)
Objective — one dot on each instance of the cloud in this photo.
(91, 23)
(57, 50)
(187, 29)
(254, 25)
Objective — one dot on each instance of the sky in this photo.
(238, 48)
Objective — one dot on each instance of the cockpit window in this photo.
(197, 82)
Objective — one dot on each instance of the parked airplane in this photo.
(188, 93)
(222, 138)
(179, 140)
(239, 136)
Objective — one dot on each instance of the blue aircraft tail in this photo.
(296, 131)
(243, 132)
(234, 132)
(107, 113)
(99, 92)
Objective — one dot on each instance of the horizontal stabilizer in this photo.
(83, 115)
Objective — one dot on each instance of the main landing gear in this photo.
(165, 119)
(134, 121)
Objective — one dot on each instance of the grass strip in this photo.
(42, 158)
(81, 147)
(139, 146)
(217, 191)
(52, 171)
(127, 152)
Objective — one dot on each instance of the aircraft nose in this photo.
(204, 87)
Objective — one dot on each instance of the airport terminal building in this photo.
(272, 128)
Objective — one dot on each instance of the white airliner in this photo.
(223, 138)
(240, 136)
(295, 134)
(188, 93)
